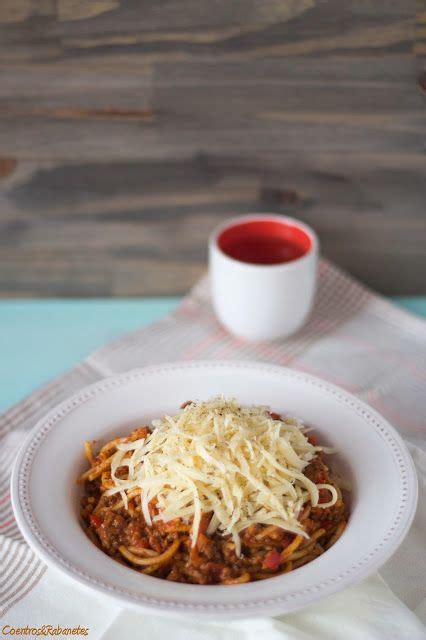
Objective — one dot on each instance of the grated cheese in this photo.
(219, 456)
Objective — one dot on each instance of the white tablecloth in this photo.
(355, 339)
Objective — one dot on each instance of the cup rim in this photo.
(231, 222)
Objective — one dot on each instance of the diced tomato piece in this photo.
(272, 560)
(142, 543)
(95, 520)
(275, 416)
(169, 526)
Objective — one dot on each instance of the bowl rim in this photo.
(33, 534)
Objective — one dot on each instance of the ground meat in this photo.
(156, 540)
(112, 531)
(317, 471)
(213, 559)
(92, 488)
(136, 533)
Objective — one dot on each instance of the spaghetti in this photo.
(218, 494)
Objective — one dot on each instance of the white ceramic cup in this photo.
(261, 301)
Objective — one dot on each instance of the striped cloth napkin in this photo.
(354, 338)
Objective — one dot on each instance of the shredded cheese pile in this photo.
(218, 456)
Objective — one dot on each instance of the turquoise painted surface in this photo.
(416, 305)
(40, 339)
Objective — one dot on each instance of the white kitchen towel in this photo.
(368, 611)
(353, 338)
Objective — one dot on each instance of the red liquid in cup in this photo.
(264, 242)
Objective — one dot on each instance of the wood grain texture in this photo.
(128, 130)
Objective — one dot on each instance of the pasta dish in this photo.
(220, 493)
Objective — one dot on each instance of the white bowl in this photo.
(371, 454)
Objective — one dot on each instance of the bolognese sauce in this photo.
(117, 524)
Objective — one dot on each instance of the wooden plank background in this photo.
(130, 128)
